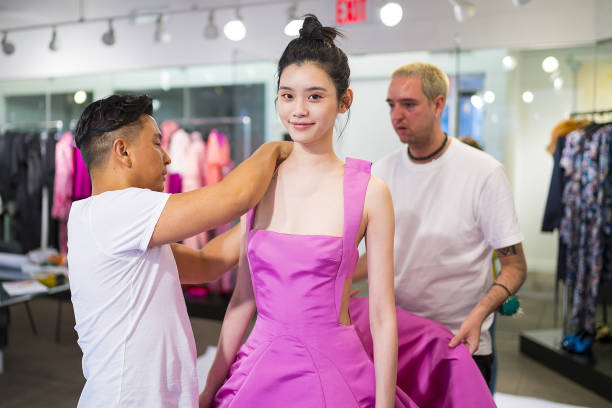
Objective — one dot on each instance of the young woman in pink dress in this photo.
(299, 253)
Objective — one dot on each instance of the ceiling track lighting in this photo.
(108, 38)
(463, 9)
(292, 29)
(519, 3)
(8, 48)
(211, 31)
(53, 44)
(235, 30)
(161, 35)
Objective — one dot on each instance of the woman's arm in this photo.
(235, 324)
(383, 322)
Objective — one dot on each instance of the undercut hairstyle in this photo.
(316, 45)
(105, 120)
(433, 80)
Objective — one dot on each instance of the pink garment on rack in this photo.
(194, 178)
(176, 147)
(168, 127)
(62, 187)
(81, 186)
(217, 156)
(175, 183)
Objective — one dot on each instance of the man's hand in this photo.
(205, 400)
(285, 149)
(469, 333)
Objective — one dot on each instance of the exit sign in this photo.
(350, 11)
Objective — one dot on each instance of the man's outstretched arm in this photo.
(190, 213)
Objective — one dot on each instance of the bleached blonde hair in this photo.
(433, 80)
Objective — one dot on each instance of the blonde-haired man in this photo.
(453, 207)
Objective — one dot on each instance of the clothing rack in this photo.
(590, 113)
(45, 125)
(244, 121)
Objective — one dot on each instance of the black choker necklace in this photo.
(431, 155)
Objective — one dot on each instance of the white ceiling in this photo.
(427, 25)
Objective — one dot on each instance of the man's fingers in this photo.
(454, 341)
(473, 348)
(356, 291)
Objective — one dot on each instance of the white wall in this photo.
(531, 165)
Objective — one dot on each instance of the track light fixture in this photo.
(519, 3)
(391, 14)
(463, 9)
(108, 37)
(235, 29)
(211, 31)
(8, 48)
(161, 35)
(53, 44)
(292, 29)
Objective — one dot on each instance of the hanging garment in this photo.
(553, 211)
(31, 172)
(562, 129)
(217, 156)
(62, 194)
(217, 159)
(179, 142)
(167, 128)
(177, 151)
(81, 184)
(194, 178)
(586, 162)
(8, 190)
(175, 183)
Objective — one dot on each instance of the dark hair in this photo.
(96, 130)
(316, 44)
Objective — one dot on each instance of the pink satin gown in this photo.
(298, 355)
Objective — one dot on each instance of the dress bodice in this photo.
(298, 279)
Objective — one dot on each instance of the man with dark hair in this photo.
(125, 266)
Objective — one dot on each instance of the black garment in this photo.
(5, 319)
(554, 208)
(485, 364)
(29, 172)
(7, 188)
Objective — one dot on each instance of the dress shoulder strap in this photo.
(356, 179)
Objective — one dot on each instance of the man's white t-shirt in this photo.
(134, 331)
(449, 216)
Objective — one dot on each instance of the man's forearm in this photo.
(250, 180)
(209, 263)
(192, 212)
(361, 270)
(512, 276)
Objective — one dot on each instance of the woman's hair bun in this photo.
(312, 29)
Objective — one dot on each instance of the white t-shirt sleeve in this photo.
(124, 221)
(496, 214)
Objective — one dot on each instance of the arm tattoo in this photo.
(507, 251)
